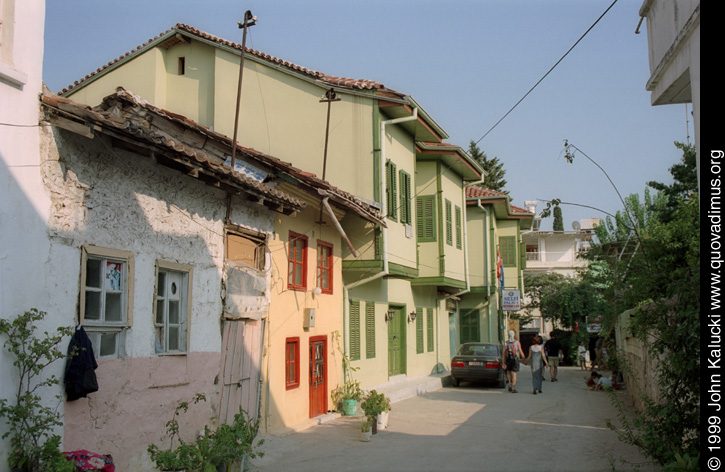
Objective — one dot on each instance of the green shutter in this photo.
(354, 330)
(391, 189)
(405, 207)
(449, 224)
(419, 330)
(522, 255)
(425, 218)
(369, 330)
(458, 227)
(470, 327)
(507, 244)
(429, 319)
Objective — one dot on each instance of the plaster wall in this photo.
(451, 184)
(399, 148)
(289, 409)
(428, 252)
(477, 250)
(104, 196)
(511, 274)
(24, 205)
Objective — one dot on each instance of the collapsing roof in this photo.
(195, 150)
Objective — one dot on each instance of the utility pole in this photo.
(249, 20)
(330, 96)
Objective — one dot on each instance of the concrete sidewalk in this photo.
(472, 427)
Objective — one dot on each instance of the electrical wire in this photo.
(548, 72)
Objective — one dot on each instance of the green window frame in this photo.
(419, 348)
(449, 223)
(459, 228)
(391, 189)
(354, 330)
(370, 330)
(406, 210)
(425, 218)
(431, 331)
(507, 244)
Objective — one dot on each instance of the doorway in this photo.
(318, 376)
(396, 340)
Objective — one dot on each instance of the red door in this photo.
(318, 376)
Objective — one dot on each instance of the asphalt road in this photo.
(472, 427)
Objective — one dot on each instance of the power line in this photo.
(549, 71)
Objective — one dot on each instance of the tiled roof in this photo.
(476, 191)
(359, 84)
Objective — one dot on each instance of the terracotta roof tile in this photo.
(325, 78)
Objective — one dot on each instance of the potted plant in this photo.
(374, 405)
(366, 430)
(234, 443)
(31, 422)
(347, 396)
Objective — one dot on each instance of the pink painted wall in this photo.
(136, 398)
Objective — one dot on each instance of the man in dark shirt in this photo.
(553, 353)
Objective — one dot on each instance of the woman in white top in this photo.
(511, 355)
(582, 350)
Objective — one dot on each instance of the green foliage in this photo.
(212, 447)
(558, 219)
(374, 404)
(653, 255)
(494, 168)
(31, 424)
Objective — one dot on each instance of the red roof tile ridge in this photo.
(361, 84)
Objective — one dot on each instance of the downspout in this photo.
(384, 234)
(486, 262)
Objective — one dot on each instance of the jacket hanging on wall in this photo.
(80, 378)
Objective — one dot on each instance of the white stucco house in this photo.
(673, 36)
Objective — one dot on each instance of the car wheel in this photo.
(501, 383)
(454, 381)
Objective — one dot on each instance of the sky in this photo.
(465, 62)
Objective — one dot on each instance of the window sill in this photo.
(14, 77)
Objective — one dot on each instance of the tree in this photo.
(653, 255)
(558, 219)
(494, 169)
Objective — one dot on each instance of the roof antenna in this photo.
(330, 96)
(249, 20)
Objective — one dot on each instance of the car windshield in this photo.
(478, 350)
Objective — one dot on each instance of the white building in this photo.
(673, 34)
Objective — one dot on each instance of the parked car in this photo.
(478, 362)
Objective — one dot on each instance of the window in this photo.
(532, 253)
(172, 310)
(391, 190)
(458, 227)
(246, 249)
(182, 65)
(507, 245)
(7, 44)
(425, 218)
(324, 266)
(297, 275)
(470, 327)
(430, 332)
(105, 299)
(292, 363)
(449, 224)
(354, 330)
(370, 330)
(406, 210)
(419, 331)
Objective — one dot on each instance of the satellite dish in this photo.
(576, 225)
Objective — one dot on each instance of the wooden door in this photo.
(318, 376)
(396, 341)
(239, 369)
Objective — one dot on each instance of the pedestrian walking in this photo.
(536, 354)
(552, 347)
(582, 352)
(512, 354)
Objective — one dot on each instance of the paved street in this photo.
(472, 427)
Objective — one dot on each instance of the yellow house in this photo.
(398, 278)
(494, 227)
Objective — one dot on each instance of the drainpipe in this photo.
(486, 262)
(384, 232)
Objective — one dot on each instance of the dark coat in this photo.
(80, 378)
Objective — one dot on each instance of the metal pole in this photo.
(330, 97)
(249, 20)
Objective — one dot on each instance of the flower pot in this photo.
(366, 435)
(349, 407)
(382, 420)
